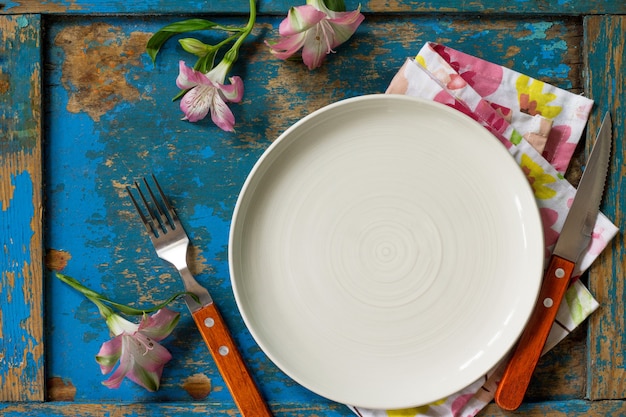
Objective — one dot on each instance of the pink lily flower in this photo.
(141, 358)
(316, 30)
(207, 92)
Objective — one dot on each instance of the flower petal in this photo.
(197, 102)
(126, 363)
(110, 352)
(159, 325)
(233, 92)
(315, 48)
(145, 360)
(115, 380)
(118, 325)
(287, 46)
(189, 78)
(150, 355)
(221, 114)
(218, 74)
(344, 25)
(300, 19)
(149, 380)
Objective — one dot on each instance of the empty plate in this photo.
(386, 251)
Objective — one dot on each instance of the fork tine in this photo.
(168, 207)
(162, 216)
(146, 222)
(156, 221)
(153, 222)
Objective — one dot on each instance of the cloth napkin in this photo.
(540, 125)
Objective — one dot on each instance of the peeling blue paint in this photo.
(537, 29)
(14, 258)
(22, 21)
(282, 6)
(202, 169)
(560, 71)
(481, 34)
(553, 50)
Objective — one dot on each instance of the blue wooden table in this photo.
(84, 113)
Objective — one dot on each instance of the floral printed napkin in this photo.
(540, 125)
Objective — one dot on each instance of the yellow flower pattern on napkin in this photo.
(532, 100)
(538, 178)
(420, 60)
(411, 412)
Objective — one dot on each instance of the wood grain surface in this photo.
(21, 241)
(488, 7)
(84, 113)
(606, 81)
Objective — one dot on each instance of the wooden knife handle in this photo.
(519, 370)
(229, 362)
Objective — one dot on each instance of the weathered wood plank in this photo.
(61, 409)
(606, 83)
(102, 133)
(560, 374)
(576, 408)
(120, 141)
(21, 287)
(519, 7)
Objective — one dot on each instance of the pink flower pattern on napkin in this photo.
(508, 104)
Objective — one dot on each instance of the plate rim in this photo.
(269, 153)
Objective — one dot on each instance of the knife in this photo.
(574, 238)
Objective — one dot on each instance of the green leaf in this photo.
(159, 38)
(180, 95)
(190, 25)
(335, 5)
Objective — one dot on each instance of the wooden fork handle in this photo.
(229, 362)
(512, 388)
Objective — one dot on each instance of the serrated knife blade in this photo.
(573, 239)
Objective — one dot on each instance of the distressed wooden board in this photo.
(21, 320)
(561, 409)
(519, 7)
(109, 124)
(58, 409)
(575, 408)
(560, 374)
(604, 51)
(109, 120)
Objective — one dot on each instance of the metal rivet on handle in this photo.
(547, 302)
(559, 273)
(223, 350)
(209, 322)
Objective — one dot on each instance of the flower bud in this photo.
(194, 46)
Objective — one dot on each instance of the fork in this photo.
(171, 244)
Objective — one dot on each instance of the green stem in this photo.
(136, 311)
(80, 287)
(101, 301)
(202, 65)
(233, 53)
(105, 311)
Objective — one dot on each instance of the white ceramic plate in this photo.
(386, 251)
